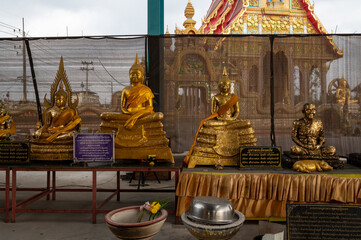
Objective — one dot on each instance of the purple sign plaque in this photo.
(91, 147)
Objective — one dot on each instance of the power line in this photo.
(9, 26)
(110, 74)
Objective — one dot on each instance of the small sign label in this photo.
(323, 221)
(14, 152)
(91, 147)
(260, 157)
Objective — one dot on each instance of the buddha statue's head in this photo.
(309, 110)
(61, 97)
(224, 84)
(136, 72)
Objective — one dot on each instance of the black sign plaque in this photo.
(260, 157)
(323, 221)
(14, 152)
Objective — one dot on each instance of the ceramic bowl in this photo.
(211, 210)
(123, 223)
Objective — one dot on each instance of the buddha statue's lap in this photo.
(53, 141)
(220, 137)
(139, 130)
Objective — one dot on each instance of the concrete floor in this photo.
(73, 226)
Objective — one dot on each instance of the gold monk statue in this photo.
(139, 130)
(220, 136)
(54, 140)
(308, 134)
(7, 126)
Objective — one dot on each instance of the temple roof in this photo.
(263, 17)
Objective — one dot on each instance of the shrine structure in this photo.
(193, 65)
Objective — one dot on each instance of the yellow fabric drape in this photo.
(233, 100)
(266, 195)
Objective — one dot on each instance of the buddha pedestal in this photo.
(145, 138)
(219, 142)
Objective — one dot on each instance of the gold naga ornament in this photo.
(54, 140)
(7, 126)
(220, 136)
(139, 130)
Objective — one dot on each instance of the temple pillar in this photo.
(324, 70)
(245, 30)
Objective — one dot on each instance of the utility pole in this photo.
(24, 67)
(86, 69)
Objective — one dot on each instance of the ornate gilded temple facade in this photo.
(193, 65)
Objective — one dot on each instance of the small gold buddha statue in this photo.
(308, 134)
(7, 126)
(222, 134)
(54, 139)
(139, 130)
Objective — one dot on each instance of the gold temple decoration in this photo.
(139, 130)
(54, 140)
(308, 166)
(7, 126)
(220, 135)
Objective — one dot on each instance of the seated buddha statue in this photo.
(54, 139)
(308, 135)
(7, 126)
(139, 130)
(220, 136)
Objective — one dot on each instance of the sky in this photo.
(47, 18)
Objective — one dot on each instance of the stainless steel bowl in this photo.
(211, 210)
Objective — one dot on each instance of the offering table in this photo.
(50, 190)
(262, 194)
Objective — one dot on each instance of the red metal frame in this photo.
(51, 189)
(7, 193)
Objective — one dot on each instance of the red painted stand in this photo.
(51, 189)
(7, 193)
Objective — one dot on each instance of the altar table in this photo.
(263, 193)
(51, 190)
(6, 190)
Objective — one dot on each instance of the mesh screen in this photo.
(97, 69)
(306, 68)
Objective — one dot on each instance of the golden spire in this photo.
(225, 71)
(189, 11)
(167, 32)
(189, 23)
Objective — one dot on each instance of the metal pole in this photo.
(34, 81)
(273, 136)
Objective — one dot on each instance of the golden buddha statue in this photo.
(7, 126)
(139, 130)
(308, 135)
(54, 139)
(220, 136)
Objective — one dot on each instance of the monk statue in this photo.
(308, 135)
(220, 136)
(7, 126)
(54, 139)
(139, 130)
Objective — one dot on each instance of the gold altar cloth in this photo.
(264, 195)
